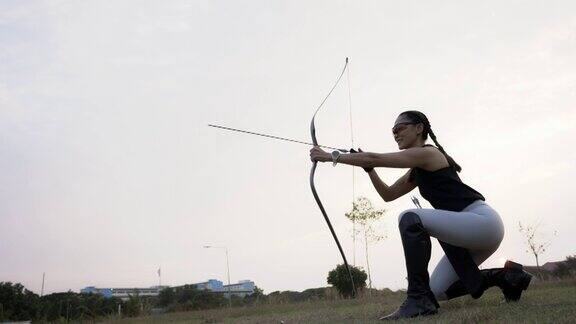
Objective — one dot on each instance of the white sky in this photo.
(109, 171)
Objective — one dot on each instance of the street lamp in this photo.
(227, 269)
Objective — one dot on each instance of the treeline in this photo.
(188, 297)
(19, 304)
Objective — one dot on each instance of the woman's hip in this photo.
(478, 226)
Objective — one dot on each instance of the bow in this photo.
(312, 173)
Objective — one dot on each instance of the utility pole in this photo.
(227, 270)
(159, 279)
(42, 291)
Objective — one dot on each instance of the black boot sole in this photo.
(396, 318)
(514, 294)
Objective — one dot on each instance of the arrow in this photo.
(276, 137)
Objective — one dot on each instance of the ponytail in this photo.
(418, 117)
(451, 161)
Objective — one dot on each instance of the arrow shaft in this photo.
(274, 137)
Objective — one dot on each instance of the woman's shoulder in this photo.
(436, 159)
(430, 147)
(432, 150)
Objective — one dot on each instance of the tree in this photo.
(207, 299)
(256, 297)
(17, 303)
(189, 297)
(536, 245)
(133, 306)
(364, 214)
(166, 297)
(340, 279)
(186, 293)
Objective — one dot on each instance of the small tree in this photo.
(256, 296)
(364, 214)
(166, 297)
(340, 279)
(133, 306)
(535, 244)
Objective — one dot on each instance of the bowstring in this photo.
(353, 168)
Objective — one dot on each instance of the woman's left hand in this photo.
(318, 154)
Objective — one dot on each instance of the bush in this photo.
(188, 297)
(340, 279)
(166, 297)
(256, 297)
(73, 306)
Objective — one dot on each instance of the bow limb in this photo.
(313, 187)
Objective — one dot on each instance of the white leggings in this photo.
(478, 228)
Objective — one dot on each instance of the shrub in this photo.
(340, 279)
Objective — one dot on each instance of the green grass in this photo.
(543, 303)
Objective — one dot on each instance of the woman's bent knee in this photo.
(408, 214)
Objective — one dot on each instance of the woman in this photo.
(468, 229)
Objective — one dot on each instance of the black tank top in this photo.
(443, 188)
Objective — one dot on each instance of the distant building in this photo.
(552, 266)
(547, 267)
(123, 293)
(106, 292)
(211, 285)
(241, 289)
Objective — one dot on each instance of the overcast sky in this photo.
(108, 170)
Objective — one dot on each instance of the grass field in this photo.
(549, 302)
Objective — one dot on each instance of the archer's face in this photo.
(406, 133)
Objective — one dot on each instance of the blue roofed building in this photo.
(212, 285)
(106, 292)
(123, 293)
(241, 289)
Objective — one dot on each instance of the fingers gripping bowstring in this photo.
(312, 186)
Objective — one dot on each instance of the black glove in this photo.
(352, 151)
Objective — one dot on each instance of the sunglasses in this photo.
(400, 127)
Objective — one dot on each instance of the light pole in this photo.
(227, 270)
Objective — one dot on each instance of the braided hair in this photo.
(417, 118)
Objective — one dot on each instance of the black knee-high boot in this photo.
(417, 248)
(466, 269)
(511, 279)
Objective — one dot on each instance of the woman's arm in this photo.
(408, 158)
(401, 187)
(422, 157)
